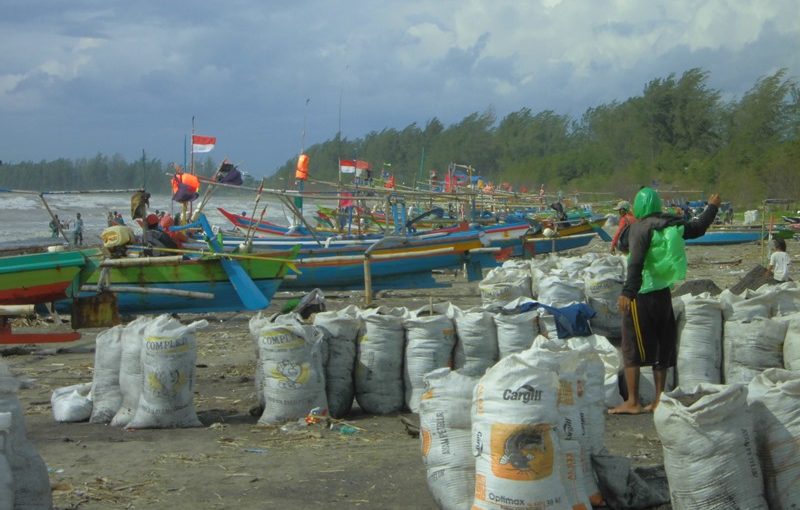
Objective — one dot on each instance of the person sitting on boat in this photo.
(154, 237)
(625, 219)
(178, 236)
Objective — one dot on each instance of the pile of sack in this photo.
(733, 446)
(521, 435)
(144, 375)
(593, 279)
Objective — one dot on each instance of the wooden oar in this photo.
(597, 230)
(251, 296)
(289, 262)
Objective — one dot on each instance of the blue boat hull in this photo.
(225, 298)
(722, 238)
(527, 248)
(405, 273)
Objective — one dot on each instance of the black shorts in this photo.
(649, 332)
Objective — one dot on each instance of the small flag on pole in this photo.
(203, 143)
(347, 166)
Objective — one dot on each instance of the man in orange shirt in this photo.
(625, 219)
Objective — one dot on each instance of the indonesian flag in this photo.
(347, 166)
(203, 143)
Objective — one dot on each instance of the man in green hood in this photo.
(656, 261)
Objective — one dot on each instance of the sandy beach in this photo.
(231, 462)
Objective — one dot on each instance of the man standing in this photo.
(77, 234)
(55, 223)
(625, 219)
(656, 261)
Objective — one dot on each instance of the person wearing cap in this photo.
(625, 219)
(657, 260)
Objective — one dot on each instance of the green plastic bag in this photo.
(665, 261)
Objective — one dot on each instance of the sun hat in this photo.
(623, 205)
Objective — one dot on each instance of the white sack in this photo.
(752, 347)
(573, 410)
(292, 379)
(502, 285)
(559, 291)
(611, 362)
(516, 331)
(169, 354)
(445, 433)
(31, 482)
(514, 412)
(573, 266)
(379, 361)
(603, 282)
(774, 398)
(476, 340)
(699, 341)
(709, 449)
(785, 297)
(130, 370)
(747, 306)
(6, 475)
(791, 342)
(341, 330)
(106, 393)
(429, 345)
(72, 403)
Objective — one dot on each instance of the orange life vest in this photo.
(301, 174)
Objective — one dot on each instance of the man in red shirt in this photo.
(625, 219)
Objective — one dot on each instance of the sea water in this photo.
(24, 219)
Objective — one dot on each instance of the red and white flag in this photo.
(203, 143)
(347, 166)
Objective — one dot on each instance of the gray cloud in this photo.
(83, 77)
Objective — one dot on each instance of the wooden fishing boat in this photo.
(42, 277)
(220, 282)
(35, 278)
(725, 237)
(174, 284)
(262, 226)
(394, 262)
(539, 245)
(571, 228)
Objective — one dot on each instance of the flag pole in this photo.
(191, 154)
(186, 210)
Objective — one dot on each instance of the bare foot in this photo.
(627, 408)
(649, 408)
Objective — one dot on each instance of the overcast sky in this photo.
(82, 77)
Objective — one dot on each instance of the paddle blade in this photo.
(251, 296)
(602, 233)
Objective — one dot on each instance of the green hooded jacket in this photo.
(665, 260)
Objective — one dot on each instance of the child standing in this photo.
(779, 261)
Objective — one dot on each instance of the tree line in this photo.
(679, 134)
